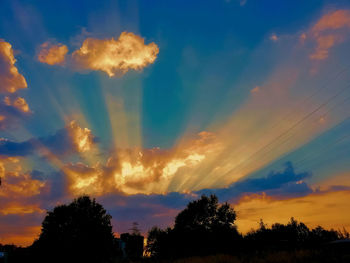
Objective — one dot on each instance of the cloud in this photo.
(12, 108)
(13, 111)
(333, 20)
(135, 170)
(82, 138)
(327, 32)
(19, 103)
(115, 57)
(71, 139)
(16, 183)
(286, 183)
(18, 188)
(52, 54)
(10, 148)
(11, 80)
(23, 200)
(271, 198)
(324, 43)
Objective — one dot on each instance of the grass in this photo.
(298, 256)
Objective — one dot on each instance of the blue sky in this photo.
(216, 95)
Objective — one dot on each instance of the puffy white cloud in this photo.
(115, 56)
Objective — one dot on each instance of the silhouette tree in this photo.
(204, 227)
(160, 243)
(78, 232)
(290, 236)
(206, 214)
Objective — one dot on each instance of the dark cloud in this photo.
(286, 183)
(60, 143)
(10, 148)
(11, 116)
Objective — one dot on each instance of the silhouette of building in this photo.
(3, 257)
(131, 245)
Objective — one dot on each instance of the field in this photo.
(299, 256)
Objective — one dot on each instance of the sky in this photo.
(146, 106)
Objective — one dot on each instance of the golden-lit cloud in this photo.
(52, 54)
(135, 170)
(82, 138)
(15, 183)
(115, 56)
(11, 80)
(19, 103)
(20, 203)
(328, 209)
(329, 31)
(12, 107)
(17, 208)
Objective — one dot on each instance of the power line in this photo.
(290, 128)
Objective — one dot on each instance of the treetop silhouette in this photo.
(81, 231)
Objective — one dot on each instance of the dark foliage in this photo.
(78, 232)
(82, 232)
(290, 236)
(204, 227)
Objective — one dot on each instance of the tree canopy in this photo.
(203, 227)
(206, 214)
(78, 232)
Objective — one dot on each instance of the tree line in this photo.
(82, 232)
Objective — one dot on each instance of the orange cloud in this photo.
(82, 138)
(15, 184)
(20, 212)
(11, 80)
(135, 170)
(324, 43)
(17, 208)
(52, 54)
(115, 56)
(326, 32)
(19, 103)
(333, 20)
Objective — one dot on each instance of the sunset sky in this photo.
(146, 105)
